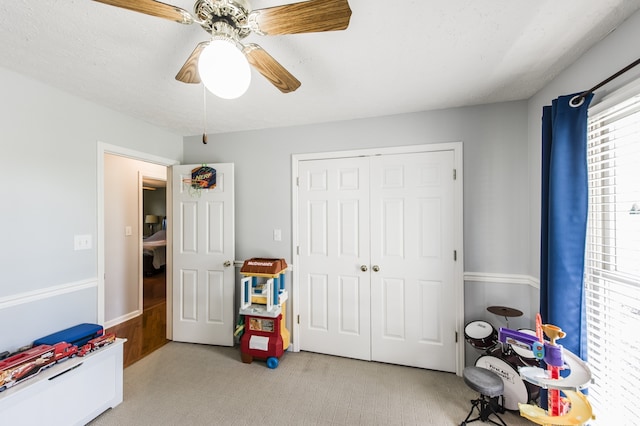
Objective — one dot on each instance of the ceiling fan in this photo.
(230, 21)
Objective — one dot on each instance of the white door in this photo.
(376, 267)
(413, 306)
(203, 254)
(334, 243)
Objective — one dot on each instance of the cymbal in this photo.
(503, 311)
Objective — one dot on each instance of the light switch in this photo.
(277, 235)
(82, 242)
(127, 231)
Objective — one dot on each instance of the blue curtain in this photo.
(564, 219)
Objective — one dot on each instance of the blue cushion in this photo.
(77, 335)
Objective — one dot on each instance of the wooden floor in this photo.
(146, 332)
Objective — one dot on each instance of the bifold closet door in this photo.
(333, 198)
(413, 309)
(376, 264)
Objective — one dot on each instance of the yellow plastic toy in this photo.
(579, 413)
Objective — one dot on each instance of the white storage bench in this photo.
(70, 393)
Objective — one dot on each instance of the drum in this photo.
(526, 355)
(516, 390)
(481, 335)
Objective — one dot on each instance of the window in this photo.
(612, 268)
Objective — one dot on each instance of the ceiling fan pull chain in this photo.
(204, 117)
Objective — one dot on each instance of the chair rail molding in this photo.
(489, 277)
(45, 293)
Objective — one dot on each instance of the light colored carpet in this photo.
(187, 384)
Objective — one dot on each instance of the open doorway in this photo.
(135, 244)
(154, 241)
(154, 258)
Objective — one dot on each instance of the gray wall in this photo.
(495, 175)
(155, 203)
(48, 187)
(616, 51)
(501, 172)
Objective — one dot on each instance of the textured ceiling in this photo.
(396, 57)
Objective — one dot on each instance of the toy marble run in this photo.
(574, 409)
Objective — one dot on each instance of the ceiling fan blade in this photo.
(153, 8)
(270, 68)
(189, 71)
(304, 17)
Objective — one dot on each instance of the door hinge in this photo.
(455, 255)
(298, 250)
(298, 319)
(297, 181)
(455, 174)
(456, 337)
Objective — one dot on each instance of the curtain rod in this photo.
(582, 95)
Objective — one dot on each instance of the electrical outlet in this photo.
(277, 235)
(82, 242)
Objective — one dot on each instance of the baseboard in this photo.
(123, 318)
(45, 293)
(487, 277)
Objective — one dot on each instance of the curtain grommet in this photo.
(576, 101)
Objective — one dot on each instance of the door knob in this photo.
(375, 268)
(364, 268)
(227, 264)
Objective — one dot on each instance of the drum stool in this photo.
(490, 401)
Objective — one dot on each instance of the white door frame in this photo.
(457, 149)
(102, 149)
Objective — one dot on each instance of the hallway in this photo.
(146, 333)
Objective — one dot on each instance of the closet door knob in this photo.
(227, 264)
(364, 268)
(375, 268)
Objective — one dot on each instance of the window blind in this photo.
(612, 260)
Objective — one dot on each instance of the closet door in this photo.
(376, 266)
(334, 257)
(413, 307)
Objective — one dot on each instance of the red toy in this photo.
(64, 351)
(97, 343)
(24, 365)
(31, 362)
(263, 307)
(262, 339)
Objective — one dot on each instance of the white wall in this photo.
(48, 187)
(616, 51)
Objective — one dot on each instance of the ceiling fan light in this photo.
(224, 69)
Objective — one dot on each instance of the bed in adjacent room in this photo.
(154, 252)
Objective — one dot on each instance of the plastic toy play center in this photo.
(263, 298)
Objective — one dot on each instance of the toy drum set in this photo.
(503, 358)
